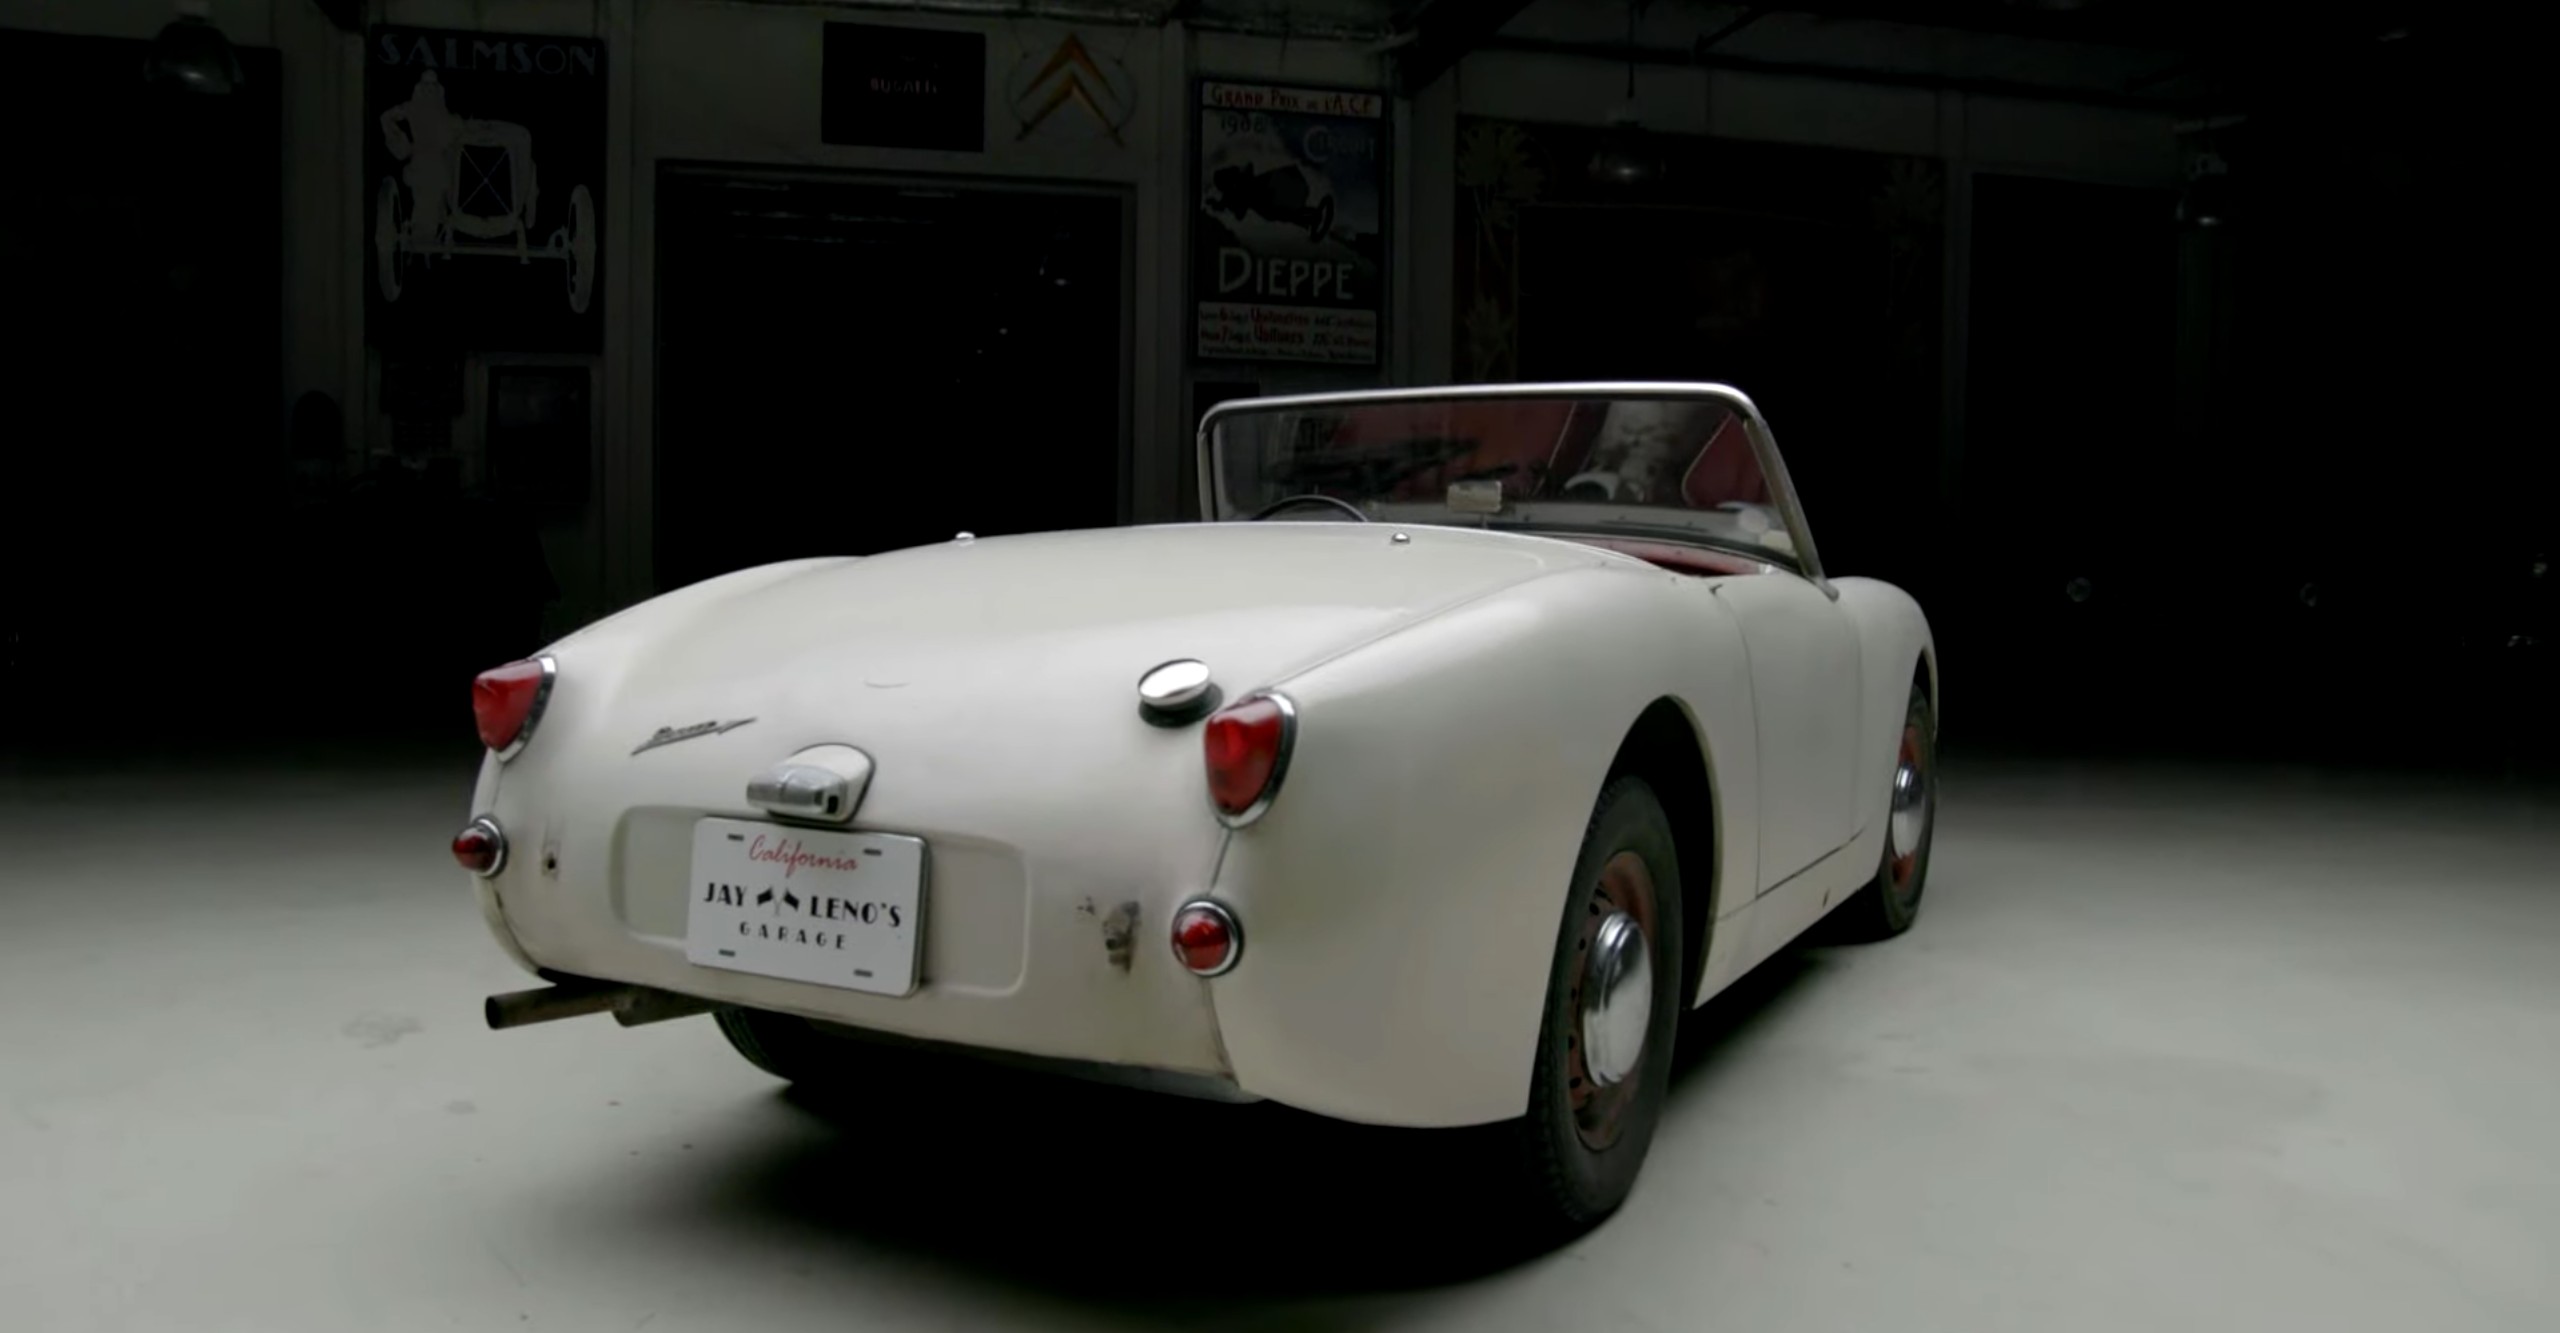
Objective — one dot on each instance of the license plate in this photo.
(829, 908)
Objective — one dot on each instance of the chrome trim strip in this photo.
(1235, 936)
(1279, 765)
(533, 716)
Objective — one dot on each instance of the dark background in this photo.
(2274, 487)
(962, 371)
(142, 331)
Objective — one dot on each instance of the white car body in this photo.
(1461, 696)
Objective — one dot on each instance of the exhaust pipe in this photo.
(657, 1006)
(575, 997)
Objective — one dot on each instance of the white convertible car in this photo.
(1479, 735)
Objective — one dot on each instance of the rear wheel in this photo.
(781, 1045)
(1890, 902)
(1603, 1065)
(811, 1057)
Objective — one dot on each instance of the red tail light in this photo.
(507, 701)
(1207, 939)
(1247, 749)
(480, 847)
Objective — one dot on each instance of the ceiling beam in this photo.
(345, 15)
(1716, 38)
(1443, 33)
(2185, 26)
(2180, 28)
(1622, 56)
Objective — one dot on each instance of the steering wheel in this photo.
(1310, 498)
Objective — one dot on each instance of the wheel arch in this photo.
(1664, 747)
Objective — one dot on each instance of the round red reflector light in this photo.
(1207, 939)
(480, 848)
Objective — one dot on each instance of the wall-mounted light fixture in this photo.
(2206, 199)
(192, 55)
(1628, 156)
(2206, 202)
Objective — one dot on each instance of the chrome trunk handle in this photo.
(824, 784)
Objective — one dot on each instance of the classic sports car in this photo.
(1416, 787)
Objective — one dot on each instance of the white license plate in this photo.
(833, 909)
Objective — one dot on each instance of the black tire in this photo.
(1890, 902)
(1574, 1158)
(788, 1047)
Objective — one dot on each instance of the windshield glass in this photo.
(1677, 467)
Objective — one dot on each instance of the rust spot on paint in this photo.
(1120, 934)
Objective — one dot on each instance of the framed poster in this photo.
(891, 87)
(1289, 227)
(484, 193)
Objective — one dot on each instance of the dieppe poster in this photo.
(1288, 246)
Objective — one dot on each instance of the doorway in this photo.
(1797, 309)
(2076, 485)
(848, 366)
(144, 356)
(2071, 382)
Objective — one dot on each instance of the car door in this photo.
(1804, 664)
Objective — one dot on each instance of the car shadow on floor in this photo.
(1159, 1208)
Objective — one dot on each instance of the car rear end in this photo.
(1006, 900)
(926, 795)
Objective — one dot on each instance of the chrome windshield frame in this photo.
(1764, 445)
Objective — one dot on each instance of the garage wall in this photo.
(707, 81)
(325, 245)
(1969, 132)
(2082, 141)
(324, 331)
(740, 83)
(711, 81)
(587, 554)
(725, 82)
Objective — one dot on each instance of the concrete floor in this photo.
(2244, 1053)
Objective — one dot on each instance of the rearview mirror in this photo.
(1476, 497)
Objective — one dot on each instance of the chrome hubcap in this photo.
(1910, 805)
(1907, 823)
(1611, 1012)
(1617, 1000)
